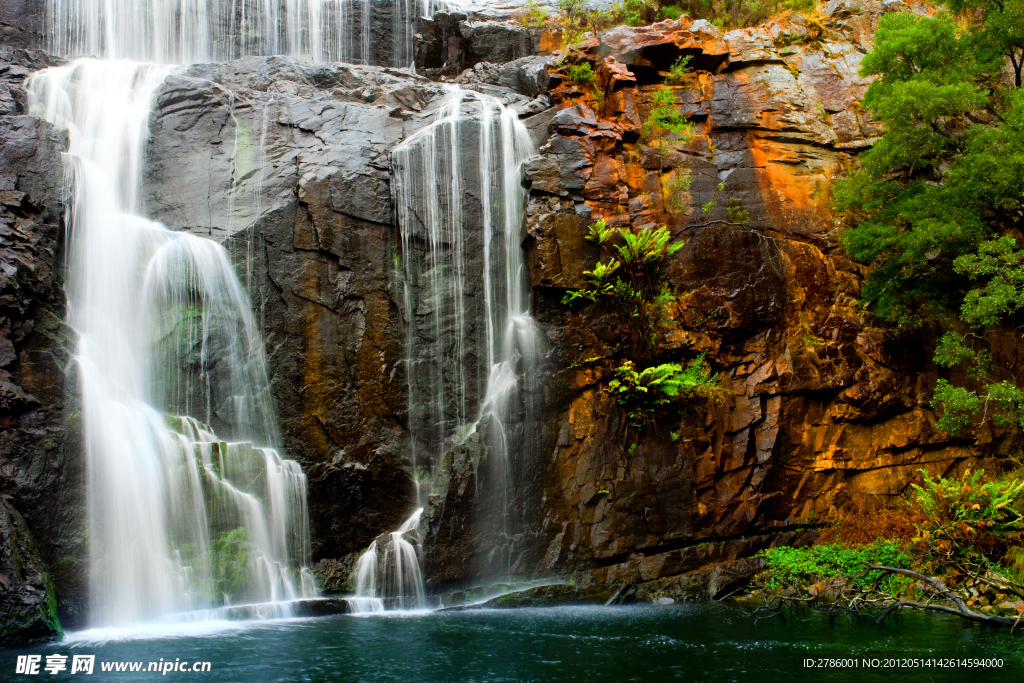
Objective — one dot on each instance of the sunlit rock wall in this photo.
(827, 412)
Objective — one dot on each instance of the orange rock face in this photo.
(825, 411)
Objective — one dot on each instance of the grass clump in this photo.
(797, 567)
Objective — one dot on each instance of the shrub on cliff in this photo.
(649, 395)
(633, 289)
(638, 297)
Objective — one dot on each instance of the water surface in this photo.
(687, 642)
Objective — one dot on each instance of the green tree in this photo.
(937, 200)
(914, 206)
(1000, 24)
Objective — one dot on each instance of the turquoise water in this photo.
(686, 642)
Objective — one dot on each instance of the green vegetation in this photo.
(952, 544)
(786, 566)
(48, 612)
(598, 233)
(579, 73)
(664, 120)
(578, 17)
(1000, 267)
(230, 562)
(532, 15)
(633, 288)
(651, 394)
(936, 184)
(965, 519)
(937, 203)
(635, 12)
(676, 187)
(679, 70)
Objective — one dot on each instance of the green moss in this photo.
(231, 571)
(48, 612)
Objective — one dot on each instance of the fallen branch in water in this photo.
(960, 610)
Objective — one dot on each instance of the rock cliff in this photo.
(826, 411)
(42, 514)
(289, 165)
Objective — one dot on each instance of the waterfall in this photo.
(391, 570)
(472, 346)
(180, 518)
(190, 31)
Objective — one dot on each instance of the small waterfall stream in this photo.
(472, 346)
(471, 343)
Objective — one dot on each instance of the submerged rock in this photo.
(551, 596)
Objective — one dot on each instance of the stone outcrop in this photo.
(22, 24)
(451, 42)
(42, 517)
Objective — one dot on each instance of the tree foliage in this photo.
(933, 187)
(938, 200)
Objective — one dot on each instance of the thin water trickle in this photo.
(472, 345)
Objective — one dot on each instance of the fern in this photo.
(598, 233)
(649, 393)
(960, 515)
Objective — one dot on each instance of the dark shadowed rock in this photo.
(41, 462)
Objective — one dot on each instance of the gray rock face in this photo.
(288, 164)
(496, 43)
(22, 23)
(41, 466)
(451, 42)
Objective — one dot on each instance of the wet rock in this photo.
(452, 41)
(494, 42)
(23, 24)
(41, 463)
(28, 604)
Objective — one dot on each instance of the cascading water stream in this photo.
(190, 31)
(471, 342)
(390, 569)
(180, 519)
